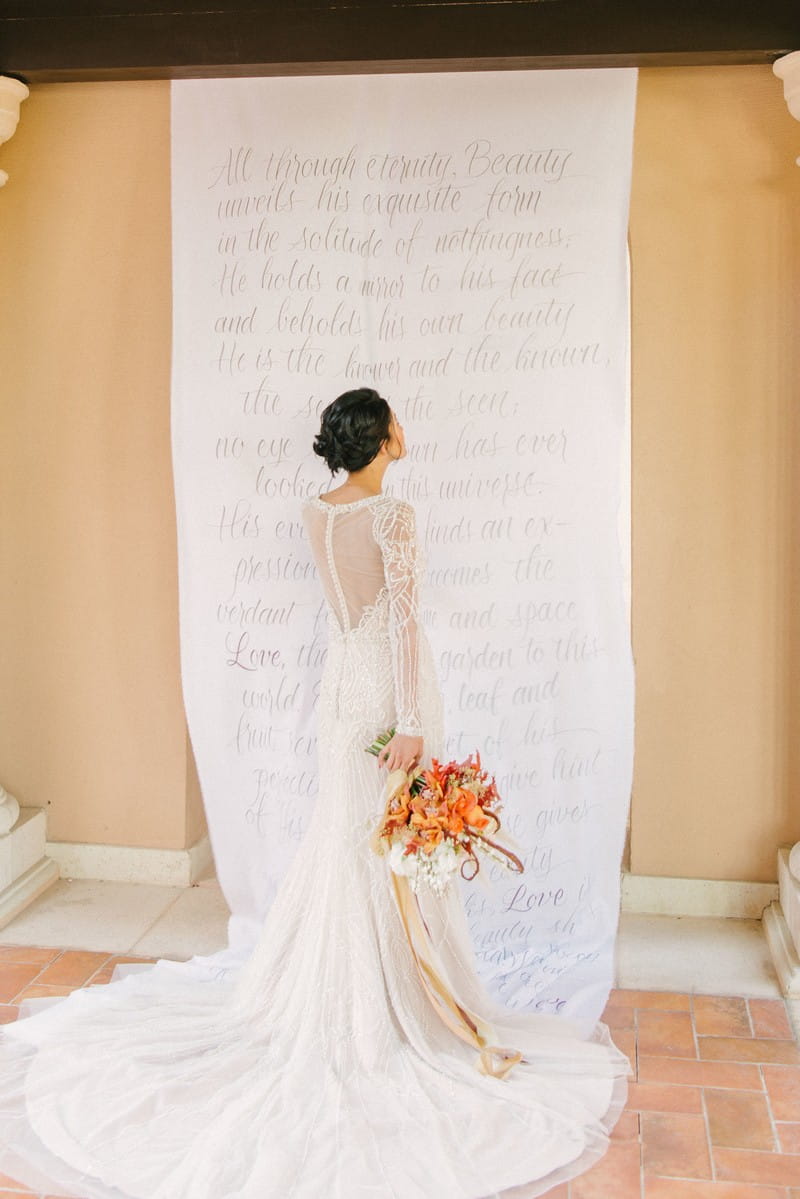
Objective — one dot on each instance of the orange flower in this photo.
(432, 839)
(464, 800)
(475, 816)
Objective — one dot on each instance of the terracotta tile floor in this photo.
(714, 1106)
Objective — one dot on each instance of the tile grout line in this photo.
(640, 1132)
(703, 1100)
(775, 1137)
(32, 981)
(711, 1162)
(749, 1017)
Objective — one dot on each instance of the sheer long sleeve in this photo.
(402, 562)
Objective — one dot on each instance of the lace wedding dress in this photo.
(320, 1070)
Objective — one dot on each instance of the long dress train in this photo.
(320, 1068)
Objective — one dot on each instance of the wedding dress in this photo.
(320, 1070)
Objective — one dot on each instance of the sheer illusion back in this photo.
(369, 560)
(320, 1067)
(348, 556)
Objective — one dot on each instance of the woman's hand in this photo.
(401, 752)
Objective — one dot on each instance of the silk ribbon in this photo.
(492, 1059)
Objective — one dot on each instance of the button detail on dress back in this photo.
(334, 575)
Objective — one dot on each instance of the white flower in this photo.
(445, 859)
(401, 862)
(434, 869)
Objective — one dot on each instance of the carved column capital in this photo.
(788, 69)
(12, 93)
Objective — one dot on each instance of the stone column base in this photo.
(782, 928)
(25, 872)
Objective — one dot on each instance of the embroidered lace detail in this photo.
(395, 531)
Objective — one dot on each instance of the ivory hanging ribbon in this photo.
(492, 1059)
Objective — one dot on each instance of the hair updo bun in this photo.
(353, 428)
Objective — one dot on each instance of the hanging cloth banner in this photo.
(457, 241)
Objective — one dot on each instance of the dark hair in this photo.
(353, 427)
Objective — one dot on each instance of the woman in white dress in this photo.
(321, 1069)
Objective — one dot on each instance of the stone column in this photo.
(9, 811)
(782, 918)
(25, 871)
(782, 923)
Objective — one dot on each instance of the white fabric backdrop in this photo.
(459, 242)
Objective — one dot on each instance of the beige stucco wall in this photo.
(715, 262)
(93, 725)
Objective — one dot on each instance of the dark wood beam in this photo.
(49, 40)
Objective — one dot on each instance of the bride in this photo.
(321, 1069)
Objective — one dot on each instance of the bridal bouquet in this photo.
(440, 820)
